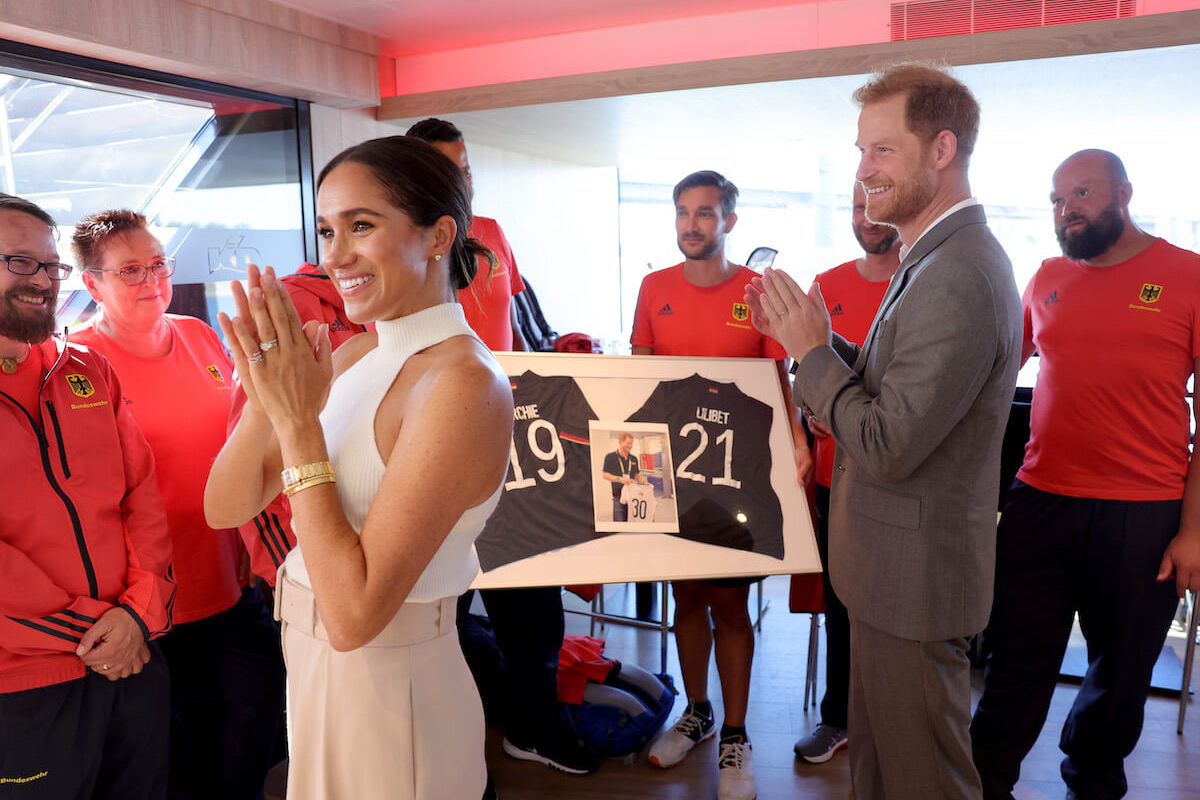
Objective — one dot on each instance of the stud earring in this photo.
(437, 257)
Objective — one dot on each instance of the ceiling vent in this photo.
(921, 19)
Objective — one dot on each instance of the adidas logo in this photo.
(1053, 298)
(665, 311)
(836, 311)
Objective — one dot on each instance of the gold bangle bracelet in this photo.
(308, 483)
(298, 473)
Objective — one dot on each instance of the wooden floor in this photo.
(1165, 766)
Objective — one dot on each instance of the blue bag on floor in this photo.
(621, 715)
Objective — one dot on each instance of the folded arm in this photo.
(450, 455)
(453, 422)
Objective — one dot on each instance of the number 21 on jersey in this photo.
(726, 439)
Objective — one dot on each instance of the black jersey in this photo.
(547, 498)
(720, 447)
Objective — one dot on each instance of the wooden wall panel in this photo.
(253, 44)
(290, 19)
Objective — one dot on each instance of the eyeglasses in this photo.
(135, 274)
(24, 265)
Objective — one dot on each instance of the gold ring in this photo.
(255, 358)
(265, 346)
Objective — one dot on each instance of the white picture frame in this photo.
(616, 387)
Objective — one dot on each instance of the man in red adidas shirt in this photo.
(852, 293)
(84, 552)
(697, 309)
(487, 302)
(528, 621)
(1104, 516)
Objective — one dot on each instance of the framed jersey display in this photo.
(640, 468)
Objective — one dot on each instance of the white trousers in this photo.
(397, 719)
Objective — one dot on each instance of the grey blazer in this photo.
(918, 414)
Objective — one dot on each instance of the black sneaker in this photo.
(564, 756)
(820, 745)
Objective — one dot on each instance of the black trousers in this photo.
(227, 697)
(835, 703)
(1056, 556)
(620, 510)
(88, 739)
(528, 624)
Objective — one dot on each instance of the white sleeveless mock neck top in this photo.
(348, 421)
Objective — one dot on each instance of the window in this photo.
(221, 174)
(789, 147)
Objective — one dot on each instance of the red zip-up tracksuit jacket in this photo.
(82, 527)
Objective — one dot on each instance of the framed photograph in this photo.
(633, 482)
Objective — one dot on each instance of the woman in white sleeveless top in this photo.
(391, 470)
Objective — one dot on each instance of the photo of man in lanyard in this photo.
(620, 468)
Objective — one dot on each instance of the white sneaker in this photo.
(688, 731)
(736, 780)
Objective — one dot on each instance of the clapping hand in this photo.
(285, 368)
(780, 309)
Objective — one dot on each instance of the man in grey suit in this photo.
(918, 414)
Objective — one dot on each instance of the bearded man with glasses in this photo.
(84, 553)
(28, 306)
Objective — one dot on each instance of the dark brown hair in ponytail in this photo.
(426, 186)
(473, 248)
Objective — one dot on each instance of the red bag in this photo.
(586, 591)
(807, 594)
(577, 343)
(581, 659)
